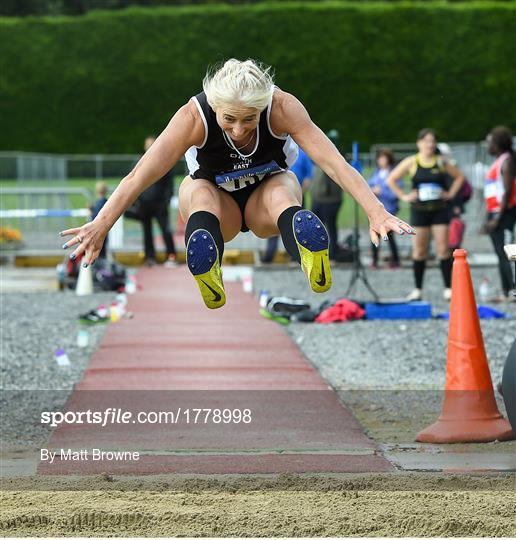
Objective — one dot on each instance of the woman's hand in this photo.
(489, 226)
(88, 240)
(410, 197)
(381, 223)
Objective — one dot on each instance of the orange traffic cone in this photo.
(469, 412)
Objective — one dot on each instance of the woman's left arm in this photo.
(458, 180)
(508, 175)
(288, 115)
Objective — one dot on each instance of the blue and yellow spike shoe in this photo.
(202, 258)
(313, 244)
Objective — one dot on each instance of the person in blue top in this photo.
(303, 168)
(101, 192)
(378, 184)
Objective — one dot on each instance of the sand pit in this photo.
(361, 505)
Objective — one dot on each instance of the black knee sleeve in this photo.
(287, 231)
(446, 270)
(209, 222)
(419, 272)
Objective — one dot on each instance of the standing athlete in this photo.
(500, 200)
(240, 137)
(429, 208)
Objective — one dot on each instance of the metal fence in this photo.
(40, 212)
(60, 167)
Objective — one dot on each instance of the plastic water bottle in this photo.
(61, 274)
(247, 283)
(62, 358)
(121, 298)
(83, 338)
(484, 290)
(264, 298)
(114, 312)
(130, 285)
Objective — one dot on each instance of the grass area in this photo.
(73, 201)
(345, 217)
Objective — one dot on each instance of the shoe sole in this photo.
(202, 258)
(312, 241)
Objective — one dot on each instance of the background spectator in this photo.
(429, 208)
(155, 202)
(327, 197)
(500, 200)
(457, 225)
(378, 183)
(101, 192)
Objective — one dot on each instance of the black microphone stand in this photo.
(358, 269)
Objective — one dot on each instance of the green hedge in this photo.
(377, 72)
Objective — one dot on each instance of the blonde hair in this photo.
(101, 187)
(244, 82)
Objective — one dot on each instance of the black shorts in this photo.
(420, 217)
(241, 196)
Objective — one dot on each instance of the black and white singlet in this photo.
(218, 160)
(429, 181)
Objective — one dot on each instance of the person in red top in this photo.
(500, 199)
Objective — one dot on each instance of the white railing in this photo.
(60, 167)
(40, 212)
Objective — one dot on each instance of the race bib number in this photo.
(235, 180)
(492, 190)
(429, 192)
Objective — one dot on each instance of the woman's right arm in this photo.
(184, 130)
(401, 170)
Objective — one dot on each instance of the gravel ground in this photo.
(391, 373)
(377, 367)
(384, 354)
(33, 326)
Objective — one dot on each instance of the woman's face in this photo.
(382, 162)
(237, 121)
(427, 145)
(491, 146)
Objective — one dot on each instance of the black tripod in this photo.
(358, 270)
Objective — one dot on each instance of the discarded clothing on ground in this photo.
(342, 310)
(283, 309)
(283, 306)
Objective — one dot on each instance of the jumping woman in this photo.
(240, 136)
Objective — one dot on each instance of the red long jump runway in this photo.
(275, 412)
